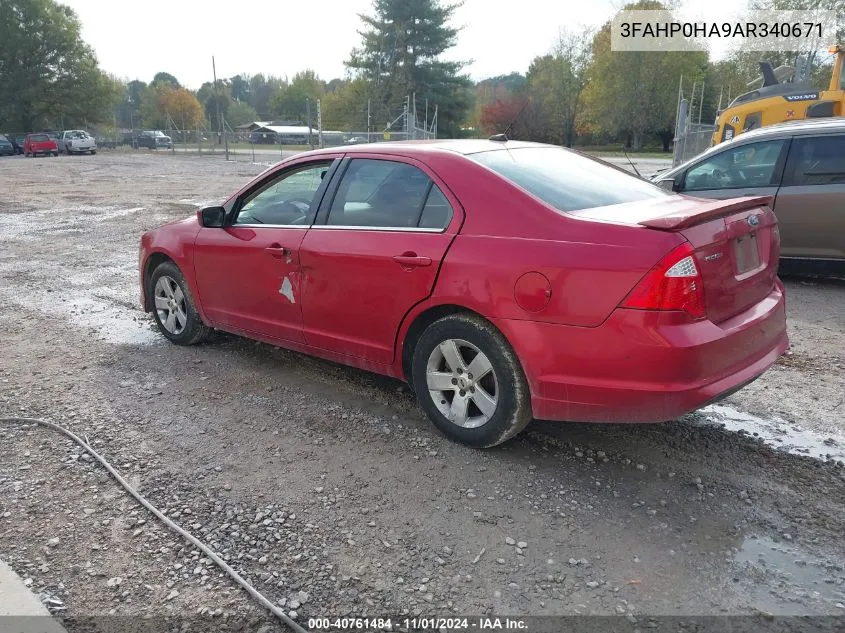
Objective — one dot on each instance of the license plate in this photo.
(747, 255)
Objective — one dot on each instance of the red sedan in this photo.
(504, 281)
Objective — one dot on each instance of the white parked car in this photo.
(77, 142)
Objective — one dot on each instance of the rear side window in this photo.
(566, 180)
(818, 160)
(388, 194)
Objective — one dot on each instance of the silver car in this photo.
(77, 142)
(801, 165)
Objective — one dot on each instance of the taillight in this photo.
(673, 284)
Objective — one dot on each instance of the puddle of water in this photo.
(113, 323)
(95, 298)
(794, 577)
(779, 433)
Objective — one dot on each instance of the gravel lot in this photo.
(327, 488)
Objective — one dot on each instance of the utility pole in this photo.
(369, 129)
(308, 116)
(219, 114)
(320, 122)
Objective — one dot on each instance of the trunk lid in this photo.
(736, 242)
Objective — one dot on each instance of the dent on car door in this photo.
(248, 272)
(810, 204)
(373, 254)
(750, 169)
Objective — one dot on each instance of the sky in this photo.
(282, 37)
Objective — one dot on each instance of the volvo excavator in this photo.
(775, 102)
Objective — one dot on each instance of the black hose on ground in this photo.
(252, 591)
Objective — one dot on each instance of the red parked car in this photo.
(40, 143)
(502, 280)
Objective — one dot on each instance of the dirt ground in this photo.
(328, 489)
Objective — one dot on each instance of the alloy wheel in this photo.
(170, 305)
(462, 383)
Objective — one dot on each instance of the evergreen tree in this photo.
(400, 56)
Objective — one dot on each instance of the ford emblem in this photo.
(753, 220)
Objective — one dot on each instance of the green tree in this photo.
(555, 84)
(633, 94)
(239, 113)
(261, 91)
(166, 79)
(240, 88)
(290, 102)
(129, 105)
(345, 108)
(151, 110)
(400, 55)
(47, 73)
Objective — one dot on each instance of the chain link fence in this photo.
(270, 141)
(691, 141)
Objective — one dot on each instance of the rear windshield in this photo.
(566, 180)
(39, 137)
(3, 138)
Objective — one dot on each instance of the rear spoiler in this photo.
(707, 210)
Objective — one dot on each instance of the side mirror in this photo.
(211, 217)
(668, 184)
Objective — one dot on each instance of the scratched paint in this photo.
(287, 290)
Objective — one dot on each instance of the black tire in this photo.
(513, 401)
(194, 330)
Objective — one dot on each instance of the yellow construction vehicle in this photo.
(776, 102)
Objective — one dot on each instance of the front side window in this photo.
(819, 161)
(388, 194)
(287, 199)
(748, 165)
(567, 180)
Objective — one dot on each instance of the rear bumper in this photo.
(642, 366)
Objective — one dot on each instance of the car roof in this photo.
(791, 128)
(421, 147)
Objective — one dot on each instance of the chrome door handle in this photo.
(410, 260)
(277, 250)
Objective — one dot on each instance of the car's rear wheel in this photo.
(469, 381)
(174, 308)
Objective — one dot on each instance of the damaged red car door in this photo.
(248, 273)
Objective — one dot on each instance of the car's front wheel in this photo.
(470, 382)
(174, 308)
